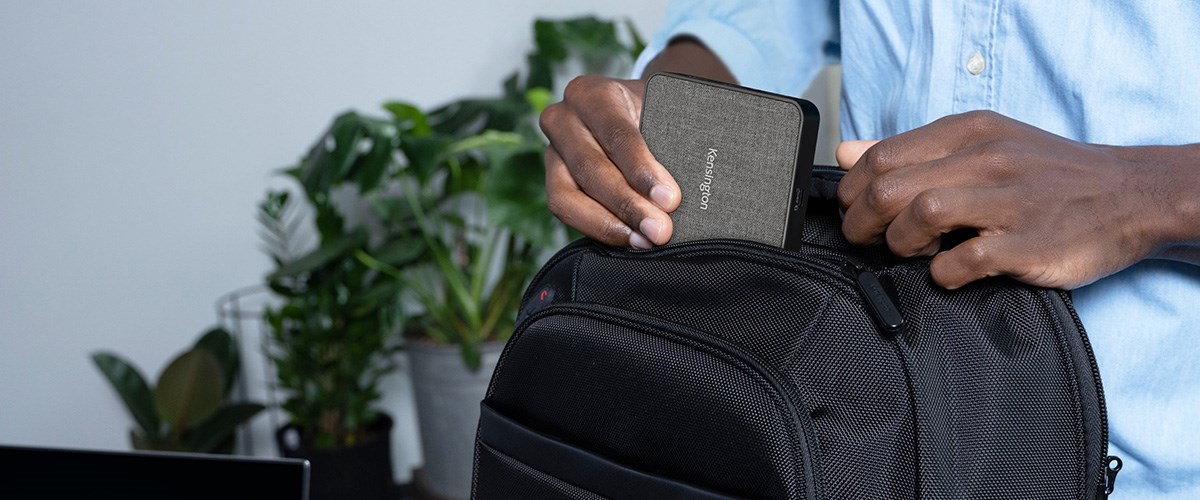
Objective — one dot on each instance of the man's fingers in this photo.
(615, 129)
(848, 152)
(944, 137)
(576, 209)
(917, 230)
(596, 175)
(594, 132)
(974, 259)
(871, 208)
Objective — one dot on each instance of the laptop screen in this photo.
(32, 472)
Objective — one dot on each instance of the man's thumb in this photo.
(849, 152)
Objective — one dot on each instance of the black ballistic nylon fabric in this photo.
(510, 475)
(760, 373)
(997, 391)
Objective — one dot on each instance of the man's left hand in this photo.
(1049, 211)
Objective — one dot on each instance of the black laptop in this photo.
(33, 472)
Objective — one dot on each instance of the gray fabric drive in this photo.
(742, 157)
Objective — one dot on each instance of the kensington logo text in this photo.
(706, 184)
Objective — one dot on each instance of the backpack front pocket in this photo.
(658, 398)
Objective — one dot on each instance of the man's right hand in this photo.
(600, 177)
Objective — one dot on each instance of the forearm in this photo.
(1170, 183)
(688, 56)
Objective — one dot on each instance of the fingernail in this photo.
(662, 197)
(636, 240)
(652, 228)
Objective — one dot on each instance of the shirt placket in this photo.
(975, 73)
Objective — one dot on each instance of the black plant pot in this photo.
(363, 471)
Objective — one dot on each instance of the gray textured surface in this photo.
(447, 397)
(757, 140)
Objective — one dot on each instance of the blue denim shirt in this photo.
(1111, 72)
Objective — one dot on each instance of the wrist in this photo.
(690, 56)
(1167, 179)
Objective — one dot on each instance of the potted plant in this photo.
(450, 223)
(477, 201)
(188, 408)
(484, 227)
(332, 336)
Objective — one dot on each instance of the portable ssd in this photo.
(742, 157)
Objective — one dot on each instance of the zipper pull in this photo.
(879, 303)
(1112, 465)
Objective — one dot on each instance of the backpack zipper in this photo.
(1108, 476)
(1112, 465)
(879, 302)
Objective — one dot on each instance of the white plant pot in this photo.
(447, 396)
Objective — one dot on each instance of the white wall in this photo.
(136, 138)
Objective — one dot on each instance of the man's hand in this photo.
(1049, 211)
(600, 177)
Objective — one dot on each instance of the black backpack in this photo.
(727, 368)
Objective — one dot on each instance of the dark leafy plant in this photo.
(456, 223)
(188, 408)
(333, 335)
(478, 201)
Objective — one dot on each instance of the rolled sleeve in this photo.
(775, 45)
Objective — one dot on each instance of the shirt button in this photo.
(975, 64)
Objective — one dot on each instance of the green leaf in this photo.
(638, 45)
(132, 388)
(469, 116)
(423, 153)
(330, 223)
(346, 132)
(512, 86)
(591, 34)
(189, 389)
(370, 301)
(323, 255)
(338, 156)
(539, 98)
(471, 354)
(220, 343)
(329, 160)
(489, 141)
(549, 40)
(400, 251)
(274, 204)
(373, 165)
(456, 280)
(217, 428)
(541, 72)
(409, 118)
(591, 40)
(516, 203)
(370, 168)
